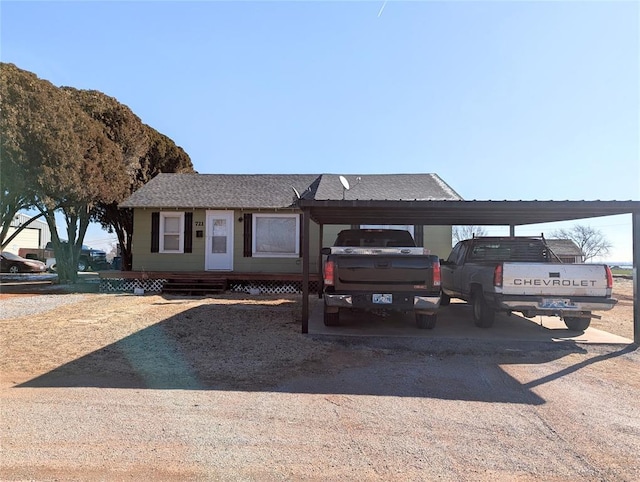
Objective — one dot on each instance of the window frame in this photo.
(171, 214)
(254, 237)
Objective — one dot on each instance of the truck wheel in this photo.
(483, 315)
(445, 299)
(332, 319)
(577, 324)
(83, 265)
(426, 322)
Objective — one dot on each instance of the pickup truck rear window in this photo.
(508, 251)
(373, 238)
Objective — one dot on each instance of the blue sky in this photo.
(504, 100)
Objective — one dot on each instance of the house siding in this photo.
(436, 238)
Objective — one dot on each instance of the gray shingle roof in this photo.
(213, 191)
(218, 191)
(386, 187)
(564, 247)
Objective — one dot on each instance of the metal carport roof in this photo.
(504, 213)
(450, 212)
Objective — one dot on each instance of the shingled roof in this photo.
(564, 247)
(246, 191)
(386, 187)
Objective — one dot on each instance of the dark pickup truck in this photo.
(89, 258)
(380, 269)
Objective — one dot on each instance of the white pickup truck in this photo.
(517, 274)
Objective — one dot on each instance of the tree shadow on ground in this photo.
(259, 348)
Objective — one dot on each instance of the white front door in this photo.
(219, 245)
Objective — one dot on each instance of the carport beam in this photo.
(636, 267)
(305, 271)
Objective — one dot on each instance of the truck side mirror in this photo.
(326, 251)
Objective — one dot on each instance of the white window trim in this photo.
(254, 220)
(172, 214)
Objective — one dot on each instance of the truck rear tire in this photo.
(445, 299)
(483, 315)
(577, 324)
(331, 319)
(426, 322)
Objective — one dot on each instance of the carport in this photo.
(435, 212)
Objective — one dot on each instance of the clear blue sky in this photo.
(504, 100)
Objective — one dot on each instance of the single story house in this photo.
(250, 224)
(566, 249)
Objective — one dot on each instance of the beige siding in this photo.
(27, 238)
(438, 240)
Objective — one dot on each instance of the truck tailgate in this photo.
(404, 271)
(554, 279)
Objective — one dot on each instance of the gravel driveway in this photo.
(119, 387)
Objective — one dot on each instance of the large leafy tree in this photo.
(145, 153)
(66, 161)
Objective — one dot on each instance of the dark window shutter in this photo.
(418, 234)
(188, 232)
(248, 233)
(155, 232)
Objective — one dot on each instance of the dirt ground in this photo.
(123, 387)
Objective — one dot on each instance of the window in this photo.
(171, 232)
(276, 235)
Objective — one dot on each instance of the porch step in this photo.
(190, 286)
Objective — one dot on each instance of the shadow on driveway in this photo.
(201, 350)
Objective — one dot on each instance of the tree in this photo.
(62, 154)
(592, 242)
(145, 153)
(79, 153)
(15, 191)
(466, 232)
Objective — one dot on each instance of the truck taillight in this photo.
(328, 273)
(436, 273)
(497, 276)
(609, 277)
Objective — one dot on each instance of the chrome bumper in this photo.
(421, 304)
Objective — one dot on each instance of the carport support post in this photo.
(636, 281)
(305, 271)
(320, 269)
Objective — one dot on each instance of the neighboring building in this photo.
(251, 224)
(566, 250)
(34, 236)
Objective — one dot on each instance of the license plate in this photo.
(382, 299)
(556, 303)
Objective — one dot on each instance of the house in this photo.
(567, 250)
(250, 224)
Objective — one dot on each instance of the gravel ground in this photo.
(17, 306)
(119, 387)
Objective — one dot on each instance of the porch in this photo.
(194, 283)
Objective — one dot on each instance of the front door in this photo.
(219, 245)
